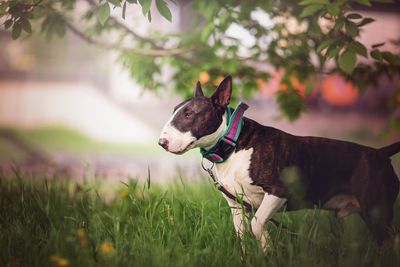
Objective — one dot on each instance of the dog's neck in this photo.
(211, 140)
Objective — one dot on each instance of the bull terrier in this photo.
(251, 160)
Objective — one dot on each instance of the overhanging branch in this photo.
(135, 50)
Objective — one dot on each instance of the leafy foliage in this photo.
(306, 39)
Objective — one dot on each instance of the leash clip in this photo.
(210, 173)
(204, 167)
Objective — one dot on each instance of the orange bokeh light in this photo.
(339, 92)
(275, 83)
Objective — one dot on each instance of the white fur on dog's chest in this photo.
(234, 175)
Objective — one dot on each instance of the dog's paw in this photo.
(261, 235)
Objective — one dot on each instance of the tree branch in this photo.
(136, 50)
(117, 23)
(156, 51)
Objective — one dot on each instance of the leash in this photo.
(247, 206)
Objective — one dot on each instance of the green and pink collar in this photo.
(227, 143)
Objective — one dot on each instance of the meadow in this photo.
(56, 221)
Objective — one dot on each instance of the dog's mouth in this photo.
(188, 147)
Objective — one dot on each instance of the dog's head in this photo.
(197, 122)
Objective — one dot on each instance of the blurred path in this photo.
(37, 162)
(33, 155)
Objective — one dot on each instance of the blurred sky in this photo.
(73, 107)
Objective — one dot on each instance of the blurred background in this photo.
(68, 106)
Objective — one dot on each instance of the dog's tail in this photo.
(390, 150)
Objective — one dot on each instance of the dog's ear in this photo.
(198, 91)
(222, 96)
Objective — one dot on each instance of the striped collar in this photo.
(227, 143)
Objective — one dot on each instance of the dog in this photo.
(336, 175)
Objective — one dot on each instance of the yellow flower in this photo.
(106, 248)
(204, 77)
(81, 233)
(63, 262)
(123, 193)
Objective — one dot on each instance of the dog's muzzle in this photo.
(163, 142)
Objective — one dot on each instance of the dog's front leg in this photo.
(269, 206)
(239, 217)
(240, 220)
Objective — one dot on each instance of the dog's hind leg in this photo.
(376, 198)
(378, 217)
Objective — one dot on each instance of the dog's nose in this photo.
(163, 142)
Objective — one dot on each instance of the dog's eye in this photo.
(187, 115)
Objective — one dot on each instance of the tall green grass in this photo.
(58, 222)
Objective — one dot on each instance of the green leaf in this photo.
(309, 10)
(163, 9)
(290, 102)
(333, 9)
(339, 24)
(26, 26)
(313, 2)
(391, 58)
(38, 12)
(378, 45)
(363, 2)
(351, 29)
(347, 61)
(326, 43)
(146, 4)
(332, 52)
(8, 23)
(149, 16)
(124, 10)
(132, 1)
(16, 31)
(104, 13)
(115, 2)
(59, 28)
(354, 16)
(365, 21)
(207, 30)
(376, 54)
(359, 48)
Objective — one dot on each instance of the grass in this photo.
(59, 222)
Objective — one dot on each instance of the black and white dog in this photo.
(337, 175)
